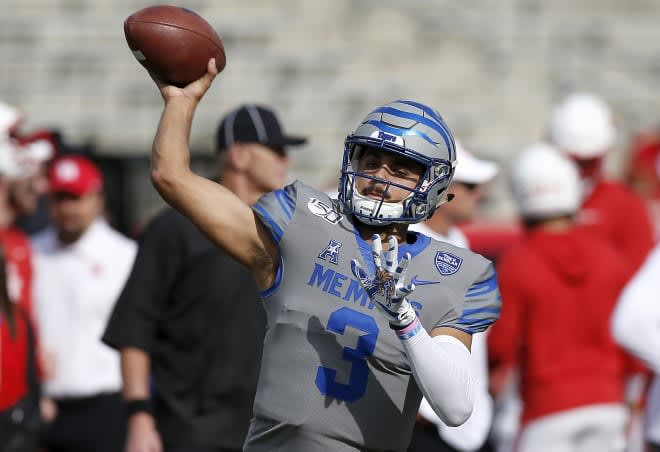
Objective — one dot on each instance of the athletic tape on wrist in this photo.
(410, 330)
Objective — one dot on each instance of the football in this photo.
(174, 44)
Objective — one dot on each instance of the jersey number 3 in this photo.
(357, 380)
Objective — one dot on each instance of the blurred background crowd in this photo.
(573, 84)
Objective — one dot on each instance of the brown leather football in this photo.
(173, 43)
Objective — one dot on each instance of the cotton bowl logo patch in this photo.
(447, 263)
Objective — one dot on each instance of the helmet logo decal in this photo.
(323, 210)
(447, 263)
(387, 137)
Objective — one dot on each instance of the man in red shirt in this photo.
(559, 286)
(643, 171)
(582, 128)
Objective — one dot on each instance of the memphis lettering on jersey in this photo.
(344, 287)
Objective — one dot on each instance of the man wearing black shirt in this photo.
(190, 353)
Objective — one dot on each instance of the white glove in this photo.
(388, 289)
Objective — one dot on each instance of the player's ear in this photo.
(238, 156)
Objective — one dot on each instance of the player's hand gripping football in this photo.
(195, 90)
(388, 288)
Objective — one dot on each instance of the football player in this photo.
(364, 316)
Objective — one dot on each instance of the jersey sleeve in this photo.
(276, 209)
(481, 303)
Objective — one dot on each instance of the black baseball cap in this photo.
(252, 123)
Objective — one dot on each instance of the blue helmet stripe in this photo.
(436, 122)
(435, 125)
(431, 112)
(435, 115)
(398, 131)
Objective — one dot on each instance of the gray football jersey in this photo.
(334, 376)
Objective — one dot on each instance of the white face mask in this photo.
(377, 211)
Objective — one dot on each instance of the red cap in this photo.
(75, 175)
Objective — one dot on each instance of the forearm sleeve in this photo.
(441, 367)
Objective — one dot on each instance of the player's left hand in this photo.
(388, 288)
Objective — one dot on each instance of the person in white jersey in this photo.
(635, 326)
(81, 265)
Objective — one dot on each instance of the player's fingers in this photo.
(400, 272)
(198, 88)
(360, 274)
(407, 290)
(211, 67)
(211, 72)
(392, 254)
(377, 250)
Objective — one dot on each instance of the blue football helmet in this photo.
(409, 129)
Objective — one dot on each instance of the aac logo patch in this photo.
(447, 263)
(331, 252)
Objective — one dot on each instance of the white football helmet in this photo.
(545, 183)
(582, 126)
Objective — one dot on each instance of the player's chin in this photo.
(70, 233)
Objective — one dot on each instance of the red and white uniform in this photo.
(13, 351)
(615, 213)
(558, 292)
